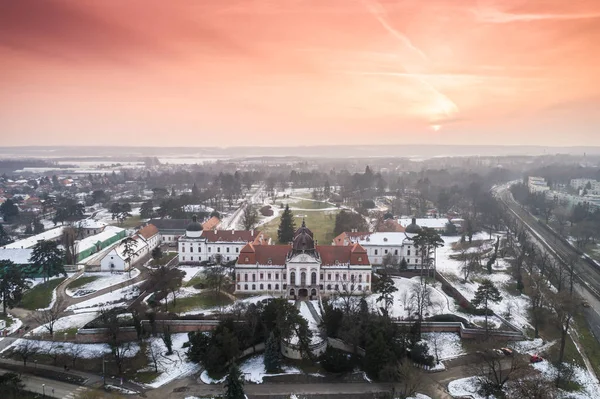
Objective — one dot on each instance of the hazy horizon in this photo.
(264, 73)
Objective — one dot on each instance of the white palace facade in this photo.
(198, 245)
(303, 269)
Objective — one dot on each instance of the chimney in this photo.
(252, 232)
(414, 220)
(232, 232)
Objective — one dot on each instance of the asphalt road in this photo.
(46, 386)
(587, 275)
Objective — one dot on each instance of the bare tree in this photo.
(532, 387)
(347, 295)
(410, 382)
(250, 217)
(75, 352)
(48, 317)
(55, 350)
(494, 371)
(26, 350)
(420, 296)
(435, 344)
(157, 357)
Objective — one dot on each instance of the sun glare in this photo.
(436, 127)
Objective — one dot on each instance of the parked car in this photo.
(507, 351)
(536, 359)
(585, 304)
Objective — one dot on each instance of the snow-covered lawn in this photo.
(532, 347)
(84, 351)
(190, 272)
(173, 366)
(67, 322)
(419, 396)
(403, 306)
(466, 387)
(449, 345)
(513, 308)
(590, 389)
(111, 300)
(104, 280)
(312, 324)
(253, 370)
(228, 308)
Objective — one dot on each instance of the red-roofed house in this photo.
(303, 269)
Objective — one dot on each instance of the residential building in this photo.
(537, 184)
(198, 245)
(303, 269)
(54, 234)
(378, 245)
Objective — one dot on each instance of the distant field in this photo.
(204, 300)
(129, 223)
(320, 223)
(307, 204)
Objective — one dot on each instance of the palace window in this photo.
(191, 249)
(246, 259)
(237, 250)
(328, 287)
(218, 249)
(293, 278)
(262, 276)
(321, 276)
(408, 252)
(227, 249)
(367, 278)
(360, 278)
(253, 287)
(386, 251)
(261, 287)
(320, 286)
(337, 277)
(268, 276)
(269, 287)
(209, 249)
(376, 252)
(276, 286)
(182, 249)
(344, 277)
(276, 276)
(183, 258)
(246, 287)
(192, 258)
(284, 275)
(239, 286)
(337, 287)
(360, 287)
(246, 277)
(238, 277)
(329, 276)
(253, 278)
(360, 258)
(395, 252)
(284, 286)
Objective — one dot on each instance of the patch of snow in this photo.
(466, 387)
(85, 351)
(122, 390)
(449, 345)
(172, 366)
(104, 280)
(419, 396)
(590, 389)
(205, 378)
(65, 323)
(532, 347)
(191, 272)
(16, 324)
(110, 300)
(254, 370)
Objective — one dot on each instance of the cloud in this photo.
(378, 11)
(491, 15)
(84, 31)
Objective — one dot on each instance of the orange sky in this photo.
(293, 72)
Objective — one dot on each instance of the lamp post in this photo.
(43, 390)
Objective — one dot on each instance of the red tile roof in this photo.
(231, 235)
(148, 231)
(347, 236)
(211, 223)
(353, 254)
(277, 254)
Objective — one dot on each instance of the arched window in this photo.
(367, 278)
(303, 278)
(337, 287)
(246, 287)
(360, 287)
(262, 287)
(360, 278)
(328, 287)
(253, 287)
(269, 287)
(246, 277)
(276, 286)
(313, 278)
(292, 278)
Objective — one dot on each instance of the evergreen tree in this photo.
(168, 341)
(403, 264)
(287, 227)
(486, 293)
(147, 209)
(234, 384)
(385, 288)
(348, 221)
(12, 284)
(376, 355)
(272, 354)
(29, 229)
(9, 211)
(38, 227)
(49, 257)
(250, 218)
(195, 191)
(4, 237)
(157, 254)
